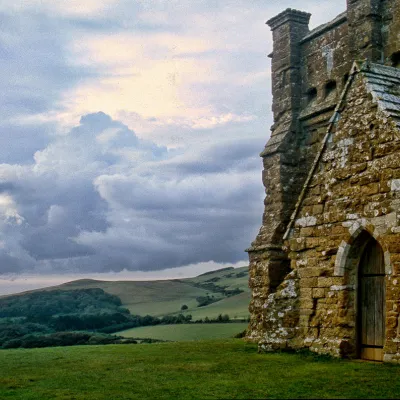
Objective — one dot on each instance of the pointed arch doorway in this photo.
(371, 302)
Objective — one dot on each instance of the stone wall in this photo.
(355, 190)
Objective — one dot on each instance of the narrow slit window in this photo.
(311, 95)
(330, 88)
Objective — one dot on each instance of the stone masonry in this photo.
(332, 179)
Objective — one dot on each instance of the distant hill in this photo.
(226, 290)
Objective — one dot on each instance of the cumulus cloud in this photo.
(99, 198)
(130, 131)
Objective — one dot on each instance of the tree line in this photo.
(56, 317)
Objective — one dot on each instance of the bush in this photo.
(12, 344)
(104, 339)
(223, 318)
(240, 334)
(40, 306)
(206, 300)
(184, 307)
(65, 339)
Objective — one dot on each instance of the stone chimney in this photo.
(280, 156)
(365, 29)
(268, 260)
(288, 28)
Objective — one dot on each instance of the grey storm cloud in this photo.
(100, 199)
(33, 58)
(35, 73)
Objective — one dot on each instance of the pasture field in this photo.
(156, 298)
(183, 332)
(237, 307)
(219, 369)
(237, 278)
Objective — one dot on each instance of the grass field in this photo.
(155, 298)
(229, 369)
(237, 278)
(181, 332)
(237, 307)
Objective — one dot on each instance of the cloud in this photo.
(63, 7)
(33, 60)
(99, 198)
(130, 131)
(45, 204)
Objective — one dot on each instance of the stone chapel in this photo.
(325, 265)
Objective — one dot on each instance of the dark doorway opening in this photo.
(395, 59)
(371, 302)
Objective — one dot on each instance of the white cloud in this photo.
(62, 7)
(8, 210)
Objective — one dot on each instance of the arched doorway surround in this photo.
(364, 265)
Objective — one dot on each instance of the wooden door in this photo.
(372, 302)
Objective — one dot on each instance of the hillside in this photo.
(160, 298)
(228, 287)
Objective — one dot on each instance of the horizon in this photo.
(25, 283)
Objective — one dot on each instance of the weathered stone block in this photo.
(370, 189)
(309, 282)
(318, 293)
(393, 243)
(327, 282)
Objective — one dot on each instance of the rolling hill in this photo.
(226, 290)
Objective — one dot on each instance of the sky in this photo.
(130, 134)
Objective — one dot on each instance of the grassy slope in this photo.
(155, 298)
(226, 277)
(237, 307)
(187, 370)
(160, 298)
(185, 332)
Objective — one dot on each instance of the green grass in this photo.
(237, 307)
(183, 332)
(227, 369)
(226, 278)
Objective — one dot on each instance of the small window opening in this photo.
(283, 79)
(311, 94)
(330, 88)
(395, 59)
(345, 78)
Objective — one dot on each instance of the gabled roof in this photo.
(383, 83)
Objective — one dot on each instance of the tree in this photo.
(184, 307)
